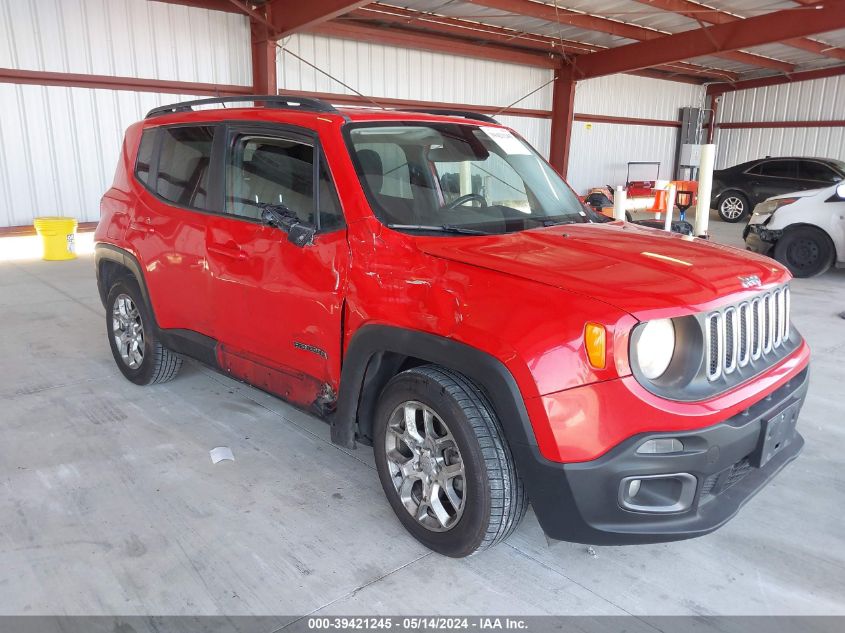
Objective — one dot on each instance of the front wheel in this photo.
(444, 464)
(805, 250)
(733, 206)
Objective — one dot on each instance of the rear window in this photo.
(183, 165)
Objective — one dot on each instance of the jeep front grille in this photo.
(739, 334)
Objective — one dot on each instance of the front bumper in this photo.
(584, 502)
(759, 239)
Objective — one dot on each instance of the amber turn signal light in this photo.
(595, 341)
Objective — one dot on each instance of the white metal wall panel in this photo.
(600, 152)
(736, 146)
(130, 38)
(536, 131)
(401, 73)
(59, 147)
(636, 97)
(815, 100)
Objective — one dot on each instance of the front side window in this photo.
(778, 169)
(183, 165)
(268, 170)
(446, 176)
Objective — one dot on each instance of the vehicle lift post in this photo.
(705, 189)
(619, 200)
(670, 207)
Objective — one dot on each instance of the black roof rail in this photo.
(477, 116)
(273, 101)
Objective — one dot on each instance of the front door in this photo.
(773, 178)
(278, 304)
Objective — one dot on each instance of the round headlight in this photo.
(655, 347)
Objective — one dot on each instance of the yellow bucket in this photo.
(58, 235)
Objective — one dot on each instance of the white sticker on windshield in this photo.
(506, 140)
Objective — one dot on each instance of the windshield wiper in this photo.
(442, 228)
(555, 220)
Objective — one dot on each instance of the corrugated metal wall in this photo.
(129, 38)
(815, 100)
(59, 146)
(600, 151)
(400, 73)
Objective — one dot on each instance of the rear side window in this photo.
(145, 155)
(183, 165)
(811, 170)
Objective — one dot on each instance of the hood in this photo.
(802, 194)
(640, 270)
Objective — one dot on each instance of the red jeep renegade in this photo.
(431, 287)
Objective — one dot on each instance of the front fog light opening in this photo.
(659, 494)
(661, 446)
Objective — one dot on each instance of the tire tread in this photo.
(509, 501)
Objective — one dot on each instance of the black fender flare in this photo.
(545, 481)
(122, 257)
(370, 342)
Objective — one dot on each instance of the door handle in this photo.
(233, 252)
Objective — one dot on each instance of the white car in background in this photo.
(804, 231)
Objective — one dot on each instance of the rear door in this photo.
(278, 304)
(168, 226)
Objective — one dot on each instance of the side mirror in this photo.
(840, 190)
(301, 234)
(279, 216)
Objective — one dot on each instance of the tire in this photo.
(733, 206)
(805, 250)
(487, 501)
(140, 357)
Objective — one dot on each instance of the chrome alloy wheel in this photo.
(733, 207)
(128, 331)
(425, 466)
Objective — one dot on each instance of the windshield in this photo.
(458, 179)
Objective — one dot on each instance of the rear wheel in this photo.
(805, 250)
(136, 350)
(444, 464)
(733, 206)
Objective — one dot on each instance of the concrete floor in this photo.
(111, 505)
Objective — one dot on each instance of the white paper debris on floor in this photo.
(220, 453)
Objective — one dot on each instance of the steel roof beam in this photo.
(702, 13)
(436, 43)
(588, 22)
(378, 13)
(756, 31)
